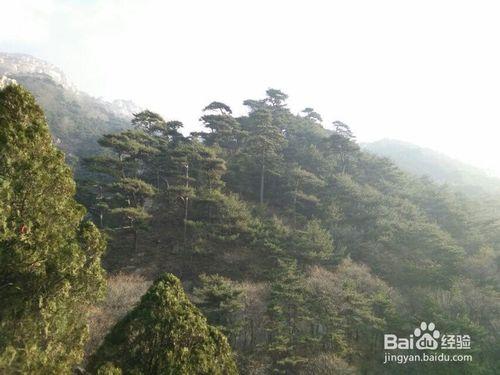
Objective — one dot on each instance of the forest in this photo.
(267, 243)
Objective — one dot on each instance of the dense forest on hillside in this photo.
(296, 245)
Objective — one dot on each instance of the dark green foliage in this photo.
(50, 270)
(341, 146)
(262, 148)
(121, 194)
(220, 299)
(310, 114)
(224, 129)
(287, 311)
(313, 244)
(164, 334)
(152, 123)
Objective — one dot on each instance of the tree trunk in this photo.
(186, 203)
(122, 167)
(135, 239)
(295, 205)
(262, 172)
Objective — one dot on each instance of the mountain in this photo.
(76, 119)
(17, 63)
(439, 167)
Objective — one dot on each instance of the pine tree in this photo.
(154, 125)
(312, 115)
(287, 312)
(165, 334)
(123, 192)
(341, 146)
(50, 268)
(303, 191)
(224, 129)
(263, 145)
(220, 299)
(194, 207)
(313, 243)
(134, 193)
(163, 136)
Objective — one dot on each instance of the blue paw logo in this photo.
(427, 336)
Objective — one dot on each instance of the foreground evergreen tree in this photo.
(49, 258)
(164, 334)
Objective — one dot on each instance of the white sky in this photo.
(426, 72)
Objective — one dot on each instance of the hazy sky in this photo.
(427, 72)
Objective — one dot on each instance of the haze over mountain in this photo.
(441, 168)
(75, 118)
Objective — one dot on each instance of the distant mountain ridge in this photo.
(15, 64)
(439, 167)
(12, 64)
(76, 119)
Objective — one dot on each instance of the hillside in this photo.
(303, 248)
(297, 245)
(76, 119)
(439, 167)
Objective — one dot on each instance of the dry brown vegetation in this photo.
(123, 292)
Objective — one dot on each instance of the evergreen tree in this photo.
(198, 213)
(220, 300)
(134, 193)
(304, 189)
(49, 257)
(224, 129)
(163, 136)
(263, 146)
(341, 146)
(312, 115)
(313, 244)
(153, 124)
(165, 334)
(287, 312)
(124, 192)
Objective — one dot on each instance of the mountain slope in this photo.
(440, 168)
(304, 249)
(76, 119)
